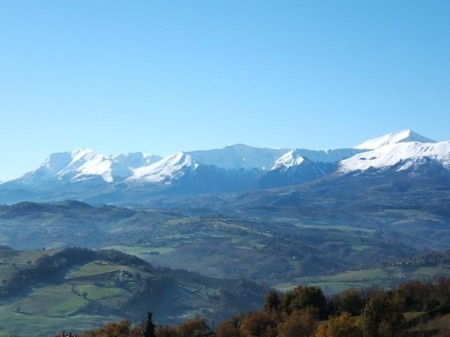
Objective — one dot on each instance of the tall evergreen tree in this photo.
(149, 326)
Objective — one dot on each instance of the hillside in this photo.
(265, 246)
(48, 291)
(389, 274)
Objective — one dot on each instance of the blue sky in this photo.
(165, 76)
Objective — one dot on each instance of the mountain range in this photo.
(138, 177)
(278, 216)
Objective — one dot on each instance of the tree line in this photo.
(306, 312)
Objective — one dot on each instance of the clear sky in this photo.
(165, 76)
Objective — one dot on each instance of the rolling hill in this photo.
(47, 290)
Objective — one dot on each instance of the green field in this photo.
(383, 277)
(88, 289)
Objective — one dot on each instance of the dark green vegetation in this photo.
(44, 291)
(411, 309)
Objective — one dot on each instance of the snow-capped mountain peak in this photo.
(392, 154)
(289, 159)
(85, 164)
(393, 138)
(297, 157)
(164, 170)
(231, 168)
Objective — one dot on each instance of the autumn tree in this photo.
(340, 326)
(299, 324)
(305, 298)
(257, 324)
(120, 329)
(419, 296)
(230, 328)
(166, 331)
(272, 301)
(382, 316)
(443, 288)
(195, 327)
(350, 300)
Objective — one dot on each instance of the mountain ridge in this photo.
(89, 175)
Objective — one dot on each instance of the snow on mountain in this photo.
(164, 170)
(236, 164)
(294, 168)
(238, 156)
(289, 159)
(393, 138)
(75, 165)
(297, 157)
(300, 165)
(246, 157)
(123, 165)
(85, 164)
(396, 153)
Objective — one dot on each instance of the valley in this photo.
(272, 247)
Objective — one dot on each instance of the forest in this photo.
(414, 308)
